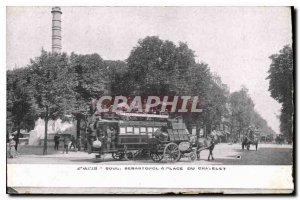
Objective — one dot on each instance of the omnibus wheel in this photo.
(128, 155)
(171, 152)
(117, 156)
(192, 156)
(156, 157)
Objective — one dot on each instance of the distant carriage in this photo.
(250, 138)
(279, 139)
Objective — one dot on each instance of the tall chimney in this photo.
(56, 29)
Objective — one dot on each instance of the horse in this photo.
(203, 144)
(246, 142)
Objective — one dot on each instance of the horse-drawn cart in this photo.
(250, 138)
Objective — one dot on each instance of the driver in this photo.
(161, 134)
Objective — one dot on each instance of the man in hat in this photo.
(110, 138)
(16, 139)
(56, 141)
(91, 137)
(66, 144)
(73, 142)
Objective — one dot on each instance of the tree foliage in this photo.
(20, 108)
(159, 67)
(58, 84)
(244, 115)
(87, 79)
(47, 75)
(242, 108)
(281, 87)
(118, 77)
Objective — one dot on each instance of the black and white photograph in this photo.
(152, 99)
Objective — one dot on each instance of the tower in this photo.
(56, 29)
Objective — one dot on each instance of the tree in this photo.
(118, 77)
(87, 79)
(281, 87)
(215, 106)
(199, 82)
(158, 67)
(20, 110)
(261, 124)
(47, 74)
(242, 108)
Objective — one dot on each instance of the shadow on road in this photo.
(263, 156)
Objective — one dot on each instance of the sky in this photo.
(235, 42)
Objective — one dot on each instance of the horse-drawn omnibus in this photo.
(142, 136)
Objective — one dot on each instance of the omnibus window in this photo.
(122, 130)
(150, 130)
(136, 130)
(143, 129)
(129, 129)
(194, 130)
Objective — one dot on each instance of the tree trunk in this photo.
(7, 136)
(86, 126)
(231, 132)
(208, 129)
(18, 131)
(78, 127)
(18, 136)
(46, 134)
(45, 138)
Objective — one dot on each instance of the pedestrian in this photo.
(109, 133)
(113, 137)
(12, 150)
(79, 143)
(66, 144)
(73, 142)
(56, 142)
(85, 144)
(16, 139)
(91, 137)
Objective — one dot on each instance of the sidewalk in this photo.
(59, 154)
(37, 152)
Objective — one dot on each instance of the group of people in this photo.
(69, 142)
(106, 135)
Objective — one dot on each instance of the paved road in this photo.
(224, 154)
